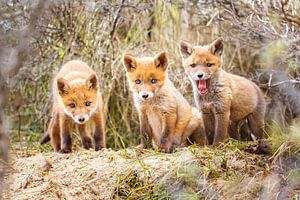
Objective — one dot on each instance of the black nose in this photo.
(145, 96)
(81, 119)
(200, 75)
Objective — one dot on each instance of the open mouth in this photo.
(202, 86)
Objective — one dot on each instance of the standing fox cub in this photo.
(224, 98)
(76, 99)
(165, 116)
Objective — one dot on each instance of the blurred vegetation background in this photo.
(258, 34)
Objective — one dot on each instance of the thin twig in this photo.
(113, 30)
(268, 85)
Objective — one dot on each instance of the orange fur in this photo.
(76, 100)
(165, 116)
(223, 98)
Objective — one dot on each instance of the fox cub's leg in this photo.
(169, 140)
(99, 134)
(209, 124)
(195, 130)
(85, 138)
(66, 125)
(178, 131)
(198, 136)
(234, 130)
(221, 129)
(53, 131)
(256, 123)
(145, 130)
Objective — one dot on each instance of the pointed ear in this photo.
(129, 63)
(216, 47)
(92, 82)
(62, 86)
(186, 49)
(161, 60)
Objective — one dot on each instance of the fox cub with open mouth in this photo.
(222, 97)
(164, 114)
(76, 100)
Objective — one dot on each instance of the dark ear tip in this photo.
(124, 58)
(60, 80)
(61, 85)
(164, 53)
(220, 40)
(183, 43)
(161, 60)
(127, 57)
(92, 81)
(129, 62)
(93, 76)
(185, 48)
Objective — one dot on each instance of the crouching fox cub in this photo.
(76, 100)
(164, 115)
(223, 98)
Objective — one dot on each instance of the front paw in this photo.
(65, 150)
(99, 147)
(141, 146)
(165, 149)
(168, 148)
(87, 143)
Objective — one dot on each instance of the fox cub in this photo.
(76, 100)
(164, 115)
(223, 98)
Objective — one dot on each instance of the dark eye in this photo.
(193, 65)
(209, 64)
(153, 81)
(72, 105)
(88, 103)
(138, 81)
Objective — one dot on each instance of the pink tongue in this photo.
(202, 86)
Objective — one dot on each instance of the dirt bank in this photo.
(191, 173)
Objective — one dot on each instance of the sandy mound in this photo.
(191, 173)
